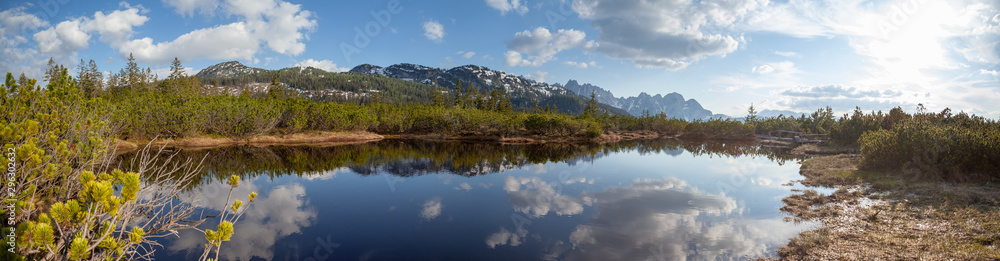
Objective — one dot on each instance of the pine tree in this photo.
(133, 75)
(52, 73)
(591, 109)
(752, 114)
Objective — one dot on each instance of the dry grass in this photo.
(901, 218)
(316, 138)
(813, 149)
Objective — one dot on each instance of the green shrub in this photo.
(938, 148)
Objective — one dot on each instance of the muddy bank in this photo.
(319, 138)
(887, 216)
(534, 139)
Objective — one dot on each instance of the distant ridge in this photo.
(673, 104)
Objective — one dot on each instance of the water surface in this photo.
(412, 200)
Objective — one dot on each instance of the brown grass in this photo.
(813, 149)
(317, 138)
(901, 218)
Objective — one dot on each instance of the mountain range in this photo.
(673, 104)
(418, 82)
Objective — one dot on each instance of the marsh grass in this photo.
(890, 216)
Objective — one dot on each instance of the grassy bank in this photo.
(887, 215)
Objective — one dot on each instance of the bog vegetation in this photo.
(70, 205)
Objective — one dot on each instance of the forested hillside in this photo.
(398, 84)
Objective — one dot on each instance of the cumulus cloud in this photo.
(667, 34)
(14, 21)
(433, 30)
(325, 65)
(116, 27)
(231, 41)
(19, 58)
(66, 38)
(989, 72)
(541, 46)
(505, 6)
(279, 25)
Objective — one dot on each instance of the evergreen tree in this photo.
(133, 76)
(176, 70)
(591, 109)
(752, 114)
(276, 91)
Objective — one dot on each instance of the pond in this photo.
(419, 200)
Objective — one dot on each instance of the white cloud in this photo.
(116, 27)
(989, 72)
(14, 21)
(769, 75)
(279, 25)
(469, 55)
(841, 98)
(432, 209)
(505, 6)
(188, 7)
(64, 39)
(541, 45)
(433, 30)
(667, 34)
(18, 58)
(539, 76)
(581, 65)
(68, 37)
(763, 69)
(231, 41)
(835, 91)
(787, 54)
(325, 65)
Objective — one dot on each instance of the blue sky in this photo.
(782, 55)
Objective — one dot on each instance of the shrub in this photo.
(935, 148)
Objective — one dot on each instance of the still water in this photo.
(412, 200)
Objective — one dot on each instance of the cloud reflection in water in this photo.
(280, 212)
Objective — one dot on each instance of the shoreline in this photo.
(874, 215)
(331, 138)
(315, 138)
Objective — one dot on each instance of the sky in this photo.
(727, 54)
